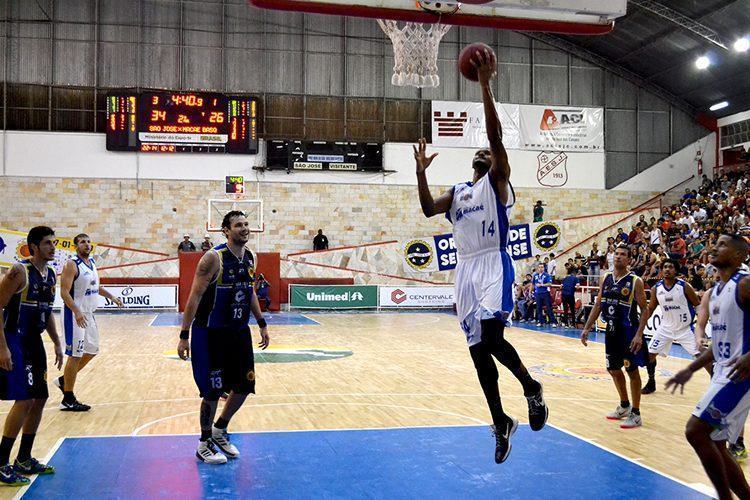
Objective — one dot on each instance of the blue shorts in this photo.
(222, 360)
(28, 377)
(617, 349)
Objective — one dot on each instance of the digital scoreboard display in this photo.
(182, 122)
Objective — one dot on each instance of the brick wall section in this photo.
(154, 214)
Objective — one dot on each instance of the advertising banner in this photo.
(561, 128)
(135, 297)
(461, 124)
(13, 248)
(526, 127)
(416, 296)
(333, 296)
(438, 253)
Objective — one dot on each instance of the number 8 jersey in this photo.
(729, 324)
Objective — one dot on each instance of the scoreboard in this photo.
(181, 122)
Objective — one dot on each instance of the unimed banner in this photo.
(417, 296)
(528, 127)
(333, 296)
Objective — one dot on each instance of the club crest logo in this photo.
(418, 254)
(547, 236)
(552, 169)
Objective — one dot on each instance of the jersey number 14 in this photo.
(488, 230)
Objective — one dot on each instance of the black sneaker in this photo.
(538, 410)
(9, 477)
(74, 405)
(650, 387)
(502, 440)
(32, 466)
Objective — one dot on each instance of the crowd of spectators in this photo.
(685, 231)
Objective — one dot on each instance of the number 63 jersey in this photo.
(485, 270)
(729, 324)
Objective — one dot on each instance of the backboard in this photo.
(583, 17)
(217, 208)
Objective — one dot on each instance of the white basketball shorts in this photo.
(484, 290)
(662, 341)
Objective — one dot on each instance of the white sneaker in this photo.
(619, 413)
(208, 453)
(220, 438)
(634, 420)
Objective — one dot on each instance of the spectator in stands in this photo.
(622, 235)
(543, 297)
(538, 211)
(263, 291)
(688, 195)
(320, 242)
(609, 258)
(699, 214)
(678, 250)
(654, 236)
(695, 277)
(552, 266)
(206, 245)
(569, 299)
(186, 245)
(535, 264)
(593, 263)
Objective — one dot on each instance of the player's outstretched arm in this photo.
(208, 266)
(14, 281)
(429, 205)
(500, 169)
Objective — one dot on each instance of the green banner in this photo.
(333, 296)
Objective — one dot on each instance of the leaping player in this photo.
(678, 301)
(480, 211)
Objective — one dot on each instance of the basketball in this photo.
(464, 60)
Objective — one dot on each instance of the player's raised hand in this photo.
(486, 65)
(420, 155)
(264, 338)
(679, 380)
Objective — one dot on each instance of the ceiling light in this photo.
(742, 44)
(702, 62)
(719, 105)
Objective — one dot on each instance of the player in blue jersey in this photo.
(720, 415)
(619, 293)
(221, 300)
(27, 293)
(480, 211)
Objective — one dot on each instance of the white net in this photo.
(415, 52)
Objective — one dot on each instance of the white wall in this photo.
(676, 168)
(737, 117)
(64, 154)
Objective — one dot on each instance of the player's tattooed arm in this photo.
(207, 268)
(12, 282)
(430, 206)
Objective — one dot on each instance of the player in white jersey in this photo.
(678, 301)
(479, 211)
(80, 290)
(720, 415)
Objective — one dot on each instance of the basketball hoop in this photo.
(415, 52)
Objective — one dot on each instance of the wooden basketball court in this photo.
(368, 371)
